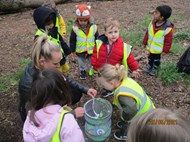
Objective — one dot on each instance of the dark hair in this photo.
(159, 125)
(49, 87)
(165, 11)
(51, 18)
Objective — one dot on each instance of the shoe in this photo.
(147, 68)
(120, 136)
(107, 94)
(119, 124)
(83, 75)
(152, 72)
(91, 72)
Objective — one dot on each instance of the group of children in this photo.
(108, 56)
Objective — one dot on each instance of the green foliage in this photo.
(177, 48)
(143, 24)
(70, 24)
(183, 34)
(168, 73)
(9, 80)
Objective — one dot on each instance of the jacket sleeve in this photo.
(64, 46)
(132, 63)
(145, 40)
(168, 42)
(128, 106)
(62, 26)
(78, 86)
(94, 56)
(73, 40)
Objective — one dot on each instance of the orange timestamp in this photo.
(163, 122)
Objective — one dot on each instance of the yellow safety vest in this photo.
(126, 50)
(155, 42)
(85, 42)
(131, 88)
(56, 41)
(56, 136)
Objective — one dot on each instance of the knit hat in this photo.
(83, 11)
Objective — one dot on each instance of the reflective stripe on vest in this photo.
(126, 52)
(56, 41)
(57, 24)
(130, 88)
(56, 137)
(85, 42)
(155, 42)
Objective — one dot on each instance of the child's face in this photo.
(83, 22)
(105, 84)
(157, 16)
(50, 25)
(112, 33)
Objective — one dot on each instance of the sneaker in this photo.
(119, 124)
(83, 75)
(120, 136)
(107, 94)
(147, 68)
(152, 72)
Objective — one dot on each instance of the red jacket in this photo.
(167, 38)
(115, 56)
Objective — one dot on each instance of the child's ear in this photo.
(76, 6)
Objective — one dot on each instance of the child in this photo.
(110, 48)
(60, 23)
(129, 96)
(159, 125)
(82, 39)
(45, 20)
(158, 37)
(48, 119)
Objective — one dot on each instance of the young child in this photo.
(60, 23)
(45, 20)
(129, 96)
(82, 39)
(110, 48)
(158, 37)
(49, 119)
(159, 125)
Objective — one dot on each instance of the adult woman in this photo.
(45, 55)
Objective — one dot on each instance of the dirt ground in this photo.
(16, 35)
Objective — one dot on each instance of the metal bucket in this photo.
(98, 119)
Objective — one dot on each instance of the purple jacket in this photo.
(48, 118)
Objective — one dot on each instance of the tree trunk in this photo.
(14, 5)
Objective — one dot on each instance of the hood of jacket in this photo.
(47, 118)
(40, 16)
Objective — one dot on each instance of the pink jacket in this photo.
(48, 118)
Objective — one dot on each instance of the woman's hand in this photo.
(92, 92)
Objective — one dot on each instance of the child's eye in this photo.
(110, 32)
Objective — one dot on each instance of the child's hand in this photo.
(72, 56)
(136, 73)
(79, 112)
(92, 92)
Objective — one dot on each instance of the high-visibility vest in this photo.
(126, 52)
(85, 43)
(132, 89)
(155, 42)
(56, 41)
(56, 136)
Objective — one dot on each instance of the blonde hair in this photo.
(43, 47)
(111, 22)
(110, 72)
(159, 125)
